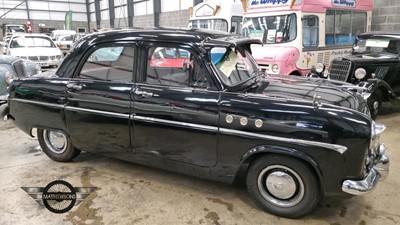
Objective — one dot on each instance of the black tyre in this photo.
(57, 145)
(283, 186)
(375, 103)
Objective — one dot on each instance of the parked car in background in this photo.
(11, 68)
(373, 64)
(63, 39)
(38, 48)
(209, 113)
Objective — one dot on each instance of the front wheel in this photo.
(56, 145)
(283, 186)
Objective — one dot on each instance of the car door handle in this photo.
(144, 94)
(74, 86)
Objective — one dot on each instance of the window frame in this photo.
(145, 47)
(306, 17)
(92, 49)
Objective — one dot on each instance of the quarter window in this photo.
(109, 64)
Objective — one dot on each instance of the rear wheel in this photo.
(375, 103)
(283, 186)
(57, 145)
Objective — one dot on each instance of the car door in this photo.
(175, 107)
(98, 99)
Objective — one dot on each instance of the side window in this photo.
(341, 27)
(310, 31)
(175, 67)
(109, 64)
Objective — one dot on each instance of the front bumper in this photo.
(378, 172)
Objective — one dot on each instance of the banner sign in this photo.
(68, 20)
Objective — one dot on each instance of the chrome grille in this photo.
(33, 58)
(43, 58)
(339, 70)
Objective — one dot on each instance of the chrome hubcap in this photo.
(56, 141)
(280, 186)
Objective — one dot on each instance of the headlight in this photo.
(275, 68)
(360, 73)
(59, 57)
(319, 68)
(52, 57)
(8, 77)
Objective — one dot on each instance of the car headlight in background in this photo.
(275, 68)
(8, 77)
(320, 67)
(53, 57)
(59, 57)
(360, 73)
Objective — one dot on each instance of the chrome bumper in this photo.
(379, 172)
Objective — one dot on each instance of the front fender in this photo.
(372, 85)
(319, 160)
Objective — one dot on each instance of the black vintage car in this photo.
(373, 64)
(195, 102)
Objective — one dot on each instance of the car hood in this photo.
(34, 51)
(307, 89)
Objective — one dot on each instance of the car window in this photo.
(31, 41)
(109, 64)
(174, 67)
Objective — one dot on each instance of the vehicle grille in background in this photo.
(38, 58)
(19, 67)
(339, 70)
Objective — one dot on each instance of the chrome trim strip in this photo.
(338, 148)
(104, 113)
(183, 124)
(38, 103)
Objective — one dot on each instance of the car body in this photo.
(63, 39)
(38, 48)
(214, 115)
(12, 68)
(373, 64)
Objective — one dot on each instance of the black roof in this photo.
(167, 34)
(377, 34)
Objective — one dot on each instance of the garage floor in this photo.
(131, 194)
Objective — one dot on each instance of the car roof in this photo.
(386, 34)
(30, 35)
(178, 35)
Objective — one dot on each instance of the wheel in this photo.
(283, 186)
(375, 103)
(57, 145)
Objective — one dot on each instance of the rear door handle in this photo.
(144, 94)
(74, 86)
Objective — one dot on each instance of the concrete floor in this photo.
(132, 194)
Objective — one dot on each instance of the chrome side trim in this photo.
(38, 103)
(104, 113)
(182, 124)
(338, 148)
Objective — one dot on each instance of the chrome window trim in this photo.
(104, 113)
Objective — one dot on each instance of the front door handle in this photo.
(74, 86)
(144, 94)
